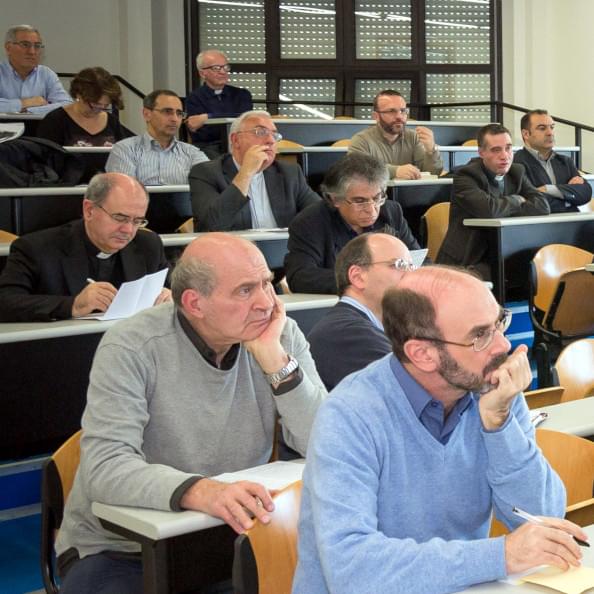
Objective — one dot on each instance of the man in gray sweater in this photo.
(180, 393)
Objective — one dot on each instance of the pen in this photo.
(90, 280)
(534, 520)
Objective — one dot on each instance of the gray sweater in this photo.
(158, 414)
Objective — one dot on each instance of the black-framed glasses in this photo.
(483, 338)
(123, 219)
(169, 111)
(262, 132)
(27, 45)
(398, 263)
(100, 107)
(218, 68)
(360, 203)
(393, 112)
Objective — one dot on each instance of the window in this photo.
(367, 89)
(307, 29)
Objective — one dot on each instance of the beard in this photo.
(393, 128)
(462, 379)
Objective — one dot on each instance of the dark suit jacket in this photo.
(317, 234)
(218, 205)
(343, 341)
(47, 269)
(564, 169)
(477, 196)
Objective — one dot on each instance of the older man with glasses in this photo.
(25, 85)
(406, 153)
(215, 98)
(248, 188)
(77, 268)
(355, 202)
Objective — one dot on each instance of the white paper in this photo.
(11, 131)
(418, 257)
(273, 476)
(133, 297)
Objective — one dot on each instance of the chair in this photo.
(572, 458)
(470, 142)
(186, 226)
(560, 306)
(434, 226)
(342, 142)
(6, 236)
(266, 556)
(56, 482)
(544, 397)
(292, 149)
(575, 369)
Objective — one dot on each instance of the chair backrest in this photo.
(266, 555)
(575, 369)
(342, 142)
(470, 142)
(56, 484)
(6, 236)
(186, 226)
(572, 310)
(550, 262)
(291, 157)
(572, 457)
(544, 397)
(436, 220)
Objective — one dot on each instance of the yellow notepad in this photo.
(573, 581)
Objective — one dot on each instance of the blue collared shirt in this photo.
(357, 305)
(145, 159)
(41, 81)
(429, 411)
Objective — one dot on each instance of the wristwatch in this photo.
(285, 372)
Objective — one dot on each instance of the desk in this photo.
(499, 587)
(575, 417)
(29, 119)
(513, 242)
(159, 533)
(45, 374)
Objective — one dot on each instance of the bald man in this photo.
(77, 268)
(365, 267)
(409, 457)
(181, 393)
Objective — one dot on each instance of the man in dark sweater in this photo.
(351, 334)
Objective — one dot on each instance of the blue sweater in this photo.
(387, 508)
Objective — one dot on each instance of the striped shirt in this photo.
(143, 158)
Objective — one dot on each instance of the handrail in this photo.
(124, 82)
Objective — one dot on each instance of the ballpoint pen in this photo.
(534, 520)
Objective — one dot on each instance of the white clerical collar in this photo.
(103, 255)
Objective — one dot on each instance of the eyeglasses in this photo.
(169, 111)
(398, 263)
(27, 45)
(483, 338)
(262, 132)
(100, 107)
(123, 219)
(218, 68)
(393, 112)
(360, 203)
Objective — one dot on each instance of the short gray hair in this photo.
(237, 122)
(192, 273)
(102, 184)
(354, 167)
(355, 253)
(12, 32)
(200, 56)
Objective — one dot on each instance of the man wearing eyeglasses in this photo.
(25, 85)
(355, 202)
(76, 269)
(248, 188)
(215, 98)
(410, 457)
(406, 153)
(365, 267)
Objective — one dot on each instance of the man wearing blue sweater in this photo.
(410, 456)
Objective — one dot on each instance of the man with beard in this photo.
(410, 456)
(405, 152)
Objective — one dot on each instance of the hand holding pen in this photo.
(96, 296)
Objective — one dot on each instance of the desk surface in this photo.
(21, 117)
(430, 181)
(575, 417)
(23, 331)
(158, 525)
(563, 217)
(80, 190)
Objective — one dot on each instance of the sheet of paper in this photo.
(573, 581)
(418, 257)
(153, 283)
(273, 476)
(11, 131)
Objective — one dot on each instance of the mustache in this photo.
(495, 363)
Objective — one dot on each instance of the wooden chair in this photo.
(342, 142)
(56, 482)
(560, 306)
(572, 457)
(544, 397)
(434, 226)
(575, 369)
(6, 236)
(470, 142)
(294, 147)
(266, 556)
(186, 226)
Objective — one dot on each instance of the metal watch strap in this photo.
(284, 373)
